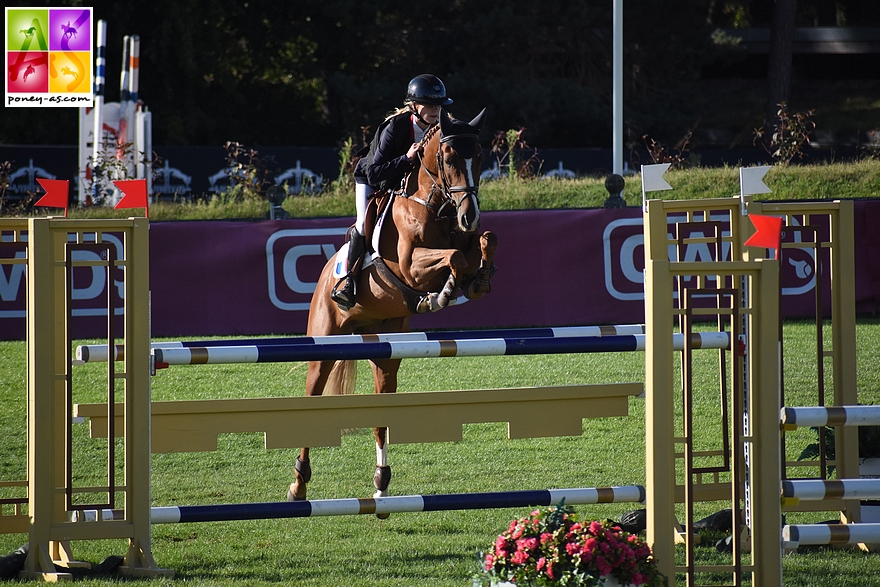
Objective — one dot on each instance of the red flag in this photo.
(56, 193)
(768, 232)
(134, 194)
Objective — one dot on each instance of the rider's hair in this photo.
(405, 108)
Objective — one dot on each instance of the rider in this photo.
(393, 153)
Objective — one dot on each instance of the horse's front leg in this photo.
(481, 283)
(385, 381)
(439, 271)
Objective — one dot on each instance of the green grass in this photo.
(407, 549)
(860, 179)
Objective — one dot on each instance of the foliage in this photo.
(248, 172)
(790, 137)
(115, 162)
(677, 157)
(513, 153)
(5, 172)
(869, 443)
(871, 150)
(550, 547)
(347, 161)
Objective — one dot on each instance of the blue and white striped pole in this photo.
(381, 505)
(98, 352)
(424, 349)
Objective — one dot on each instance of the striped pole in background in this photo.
(134, 69)
(819, 490)
(486, 347)
(98, 352)
(382, 505)
(124, 91)
(98, 123)
(818, 534)
(830, 416)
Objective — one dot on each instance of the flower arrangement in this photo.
(552, 548)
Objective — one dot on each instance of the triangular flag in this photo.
(134, 194)
(768, 232)
(56, 193)
(751, 180)
(652, 178)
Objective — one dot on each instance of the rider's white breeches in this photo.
(362, 193)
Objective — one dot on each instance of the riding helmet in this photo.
(427, 89)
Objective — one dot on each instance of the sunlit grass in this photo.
(407, 549)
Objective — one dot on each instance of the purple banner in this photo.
(555, 267)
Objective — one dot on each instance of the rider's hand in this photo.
(413, 151)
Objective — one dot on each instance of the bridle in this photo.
(441, 181)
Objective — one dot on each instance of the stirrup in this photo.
(344, 296)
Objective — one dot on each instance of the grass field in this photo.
(407, 549)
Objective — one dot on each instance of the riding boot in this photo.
(344, 291)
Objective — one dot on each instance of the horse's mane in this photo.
(429, 134)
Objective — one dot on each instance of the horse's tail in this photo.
(342, 378)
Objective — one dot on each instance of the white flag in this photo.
(751, 180)
(652, 178)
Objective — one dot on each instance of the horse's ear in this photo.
(446, 126)
(479, 120)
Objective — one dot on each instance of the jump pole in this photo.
(821, 534)
(98, 352)
(384, 505)
(426, 349)
(814, 416)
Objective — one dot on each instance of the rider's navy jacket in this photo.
(387, 164)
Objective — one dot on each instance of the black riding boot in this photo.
(344, 291)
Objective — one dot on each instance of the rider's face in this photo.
(430, 112)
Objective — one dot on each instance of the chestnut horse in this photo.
(425, 247)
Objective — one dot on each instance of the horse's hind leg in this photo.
(316, 379)
(385, 380)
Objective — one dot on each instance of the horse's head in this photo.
(459, 160)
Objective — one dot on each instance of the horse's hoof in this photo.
(381, 494)
(294, 493)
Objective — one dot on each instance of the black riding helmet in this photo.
(427, 89)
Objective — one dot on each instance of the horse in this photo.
(426, 247)
(69, 31)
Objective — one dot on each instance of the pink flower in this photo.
(520, 557)
(546, 538)
(541, 562)
(595, 528)
(526, 544)
(572, 548)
